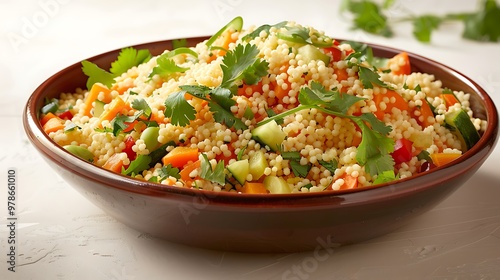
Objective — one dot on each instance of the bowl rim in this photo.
(51, 150)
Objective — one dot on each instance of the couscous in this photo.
(278, 108)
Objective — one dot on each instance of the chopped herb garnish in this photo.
(240, 65)
(139, 164)
(375, 147)
(127, 58)
(215, 175)
(329, 165)
(479, 25)
(168, 171)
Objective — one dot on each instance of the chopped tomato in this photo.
(129, 143)
(402, 151)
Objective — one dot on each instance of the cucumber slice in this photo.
(236, 24)
(269, 134)
(276, 185)
(98, 108)
(309, 52)
(460, 120)
(240, 170)
(258, 164)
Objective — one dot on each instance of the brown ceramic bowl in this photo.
(261, 223)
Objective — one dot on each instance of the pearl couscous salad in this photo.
(278, 108)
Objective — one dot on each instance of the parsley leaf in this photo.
(216, 175)
(239, 65)
(300, 170)
(424, 25)
(128, 58)
(96, 74)
(178, 109)
(329, 165)
(168, 171)
(375, 147)
(369, 78)
(483, 25)
(367, 17)
(242, 65)
(141, 105)
(386, 176)
(165, 67)
(139, 164)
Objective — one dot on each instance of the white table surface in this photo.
(61, 235)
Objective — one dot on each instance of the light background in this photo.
(63, 236)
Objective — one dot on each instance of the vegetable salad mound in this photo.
(278, 108)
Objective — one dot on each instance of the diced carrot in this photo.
(94, 92)
(342, 74)
(187, 169)
(400, 64)
(114, 163)
(280, 92)
(395, 101)
(115, 107)
(449, 99)
(180, 156)
(248, 90)
(440, 159)
(424, 118)
(254, 187)
(53, 124)
(47, 117)
(350, 182)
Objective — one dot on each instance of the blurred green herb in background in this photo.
(371, 16)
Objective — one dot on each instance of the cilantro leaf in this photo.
(178, 109)
(128, 58)
(386, 176)
(483, 25)
(222, 115)
(139, 164)
(374, 149)
(369, 78)
(216, 175)
(242, 65)
(142, 105)
(368, 17)
(329, 165)
(121, 122)
(96, 74)
(168, 171)
(424, 25)
(165, 67)
(300, 170)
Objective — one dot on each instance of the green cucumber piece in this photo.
(269, 134)
(276, 185)
(258, 164)
(80, 152)
(240, 170)
(460, 120)
(236, 24)
(98, 108)
(309, 53)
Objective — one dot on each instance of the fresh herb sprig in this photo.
(127, 58)
(241, 65)
(480, 25)
(375, 147)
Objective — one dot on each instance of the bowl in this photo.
(261, 223)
